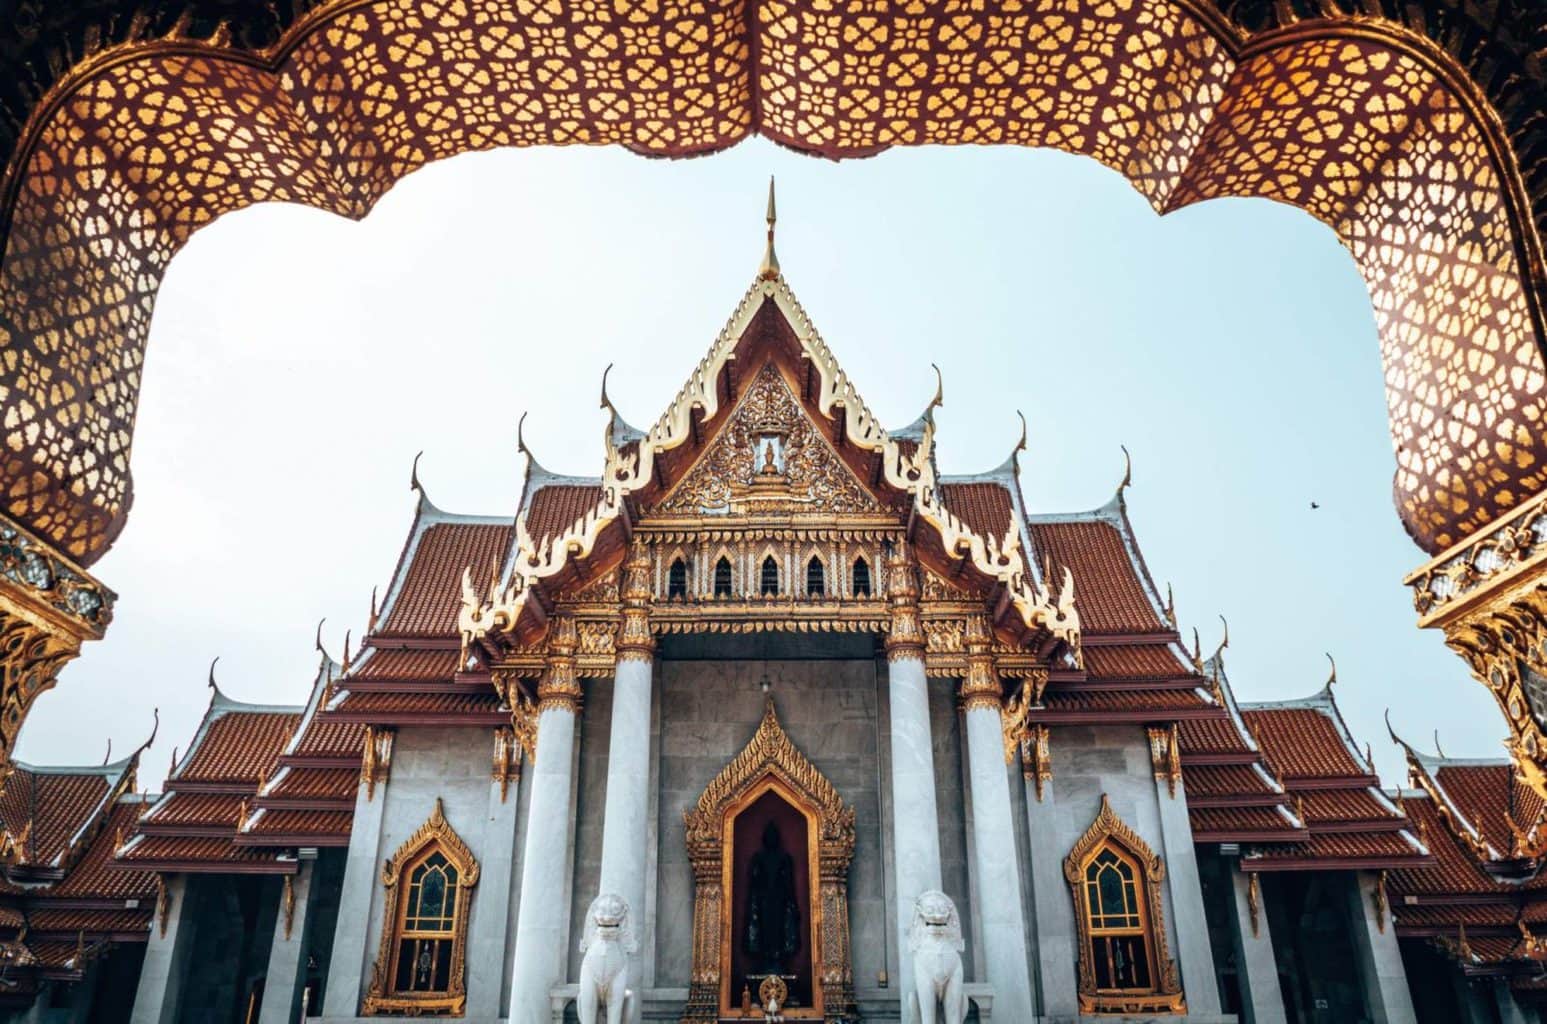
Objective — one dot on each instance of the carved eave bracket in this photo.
(49, 606)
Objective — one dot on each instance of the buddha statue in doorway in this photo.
(772, 933)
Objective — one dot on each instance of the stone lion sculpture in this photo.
(608, 941)
(935, 942)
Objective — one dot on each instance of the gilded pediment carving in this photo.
(768, 458)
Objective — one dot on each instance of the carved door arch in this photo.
(770, 763)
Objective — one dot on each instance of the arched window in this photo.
(722, 577)
(1114, 878)
(861, 577)
(1119, 947)
(419, 969)
(816, 577)
(677, 581)
(770, 578)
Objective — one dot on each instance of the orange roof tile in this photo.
(303, 823)
(44, 919)
(1225, 779)
(1372, 849)
(428, 593)
(387, 707)
(237, 747)
(1235, 820)
(196, 809)
(1108, 589)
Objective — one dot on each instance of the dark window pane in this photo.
(677, 580)
(816, 581)
(722, 578)
(770, 580)
(861, 578)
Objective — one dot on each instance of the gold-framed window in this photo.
(1114, 878)
(421, 964)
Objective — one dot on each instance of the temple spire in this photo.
(770, 268)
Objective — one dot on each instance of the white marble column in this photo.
(625, 827)
(1000, 919)
(1256, 967)
(539, 957)
(1380, 961)
(286, 975)
(915, 816)
(1188, 919)
(357, 934)
(167, 955)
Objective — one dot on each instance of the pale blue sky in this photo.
(297, 361)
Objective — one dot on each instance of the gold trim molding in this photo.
(770, 761)
(436, 832)
(1167, 998)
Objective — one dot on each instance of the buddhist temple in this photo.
(766, 721)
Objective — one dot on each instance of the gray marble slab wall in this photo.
(595, 728)
(709, 710)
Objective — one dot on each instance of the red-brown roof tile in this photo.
(94, 877)
(238, 747)
(1217, 821)
(1135, 661)
(1454, 869)
(387, 707)
(177, 850)
(429, 593)
(327, 737)
(1485, 793)
(1373, 849)
(45, 919)
(431, 665)
(1231, 779)
(196, 809)
(554, 508)
(1302, 742)
(985, 507)
(1324, 806)
(56, 803)
(299, 823)
(1108, 590)
(1211, 736)
(1118, 699)
(314, 783)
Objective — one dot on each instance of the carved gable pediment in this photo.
(769, 458)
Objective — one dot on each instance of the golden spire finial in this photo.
(770, 268)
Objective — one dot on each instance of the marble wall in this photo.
(709, 710)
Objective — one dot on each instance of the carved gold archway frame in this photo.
(435, 832)
(770, 762)
(1168, 997)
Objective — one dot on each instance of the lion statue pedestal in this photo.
(606, 947)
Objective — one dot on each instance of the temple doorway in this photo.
(772, 929)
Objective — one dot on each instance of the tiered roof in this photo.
(59, 905)
(410, 668)
(1335, 789)
(309, 799)
(193, 827)
(1485, 904)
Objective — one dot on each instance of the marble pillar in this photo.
(915, 816)
(540, 954)
(358, 932)
(998, 874)
(489, 928)
(167, 955)
(1193, 954)
(1510, 1011)
(1051, 906)
(286, 974)
(1262, 1001)
(625, 829)
(1380, 961)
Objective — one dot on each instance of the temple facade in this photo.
(773, 720)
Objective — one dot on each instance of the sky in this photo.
(297, 362)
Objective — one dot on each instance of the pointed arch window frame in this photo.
(382, 998)
(1165, 995)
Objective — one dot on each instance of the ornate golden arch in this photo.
(770, 762)
(1167, 998)
(437, 834)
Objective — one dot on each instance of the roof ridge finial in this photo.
(109, 755)
(769, 270)
(607, 402)
(1224, 641)
(413, 474)
(1437, 749)
(1127, 480)
(212, 664)
(1332, 677)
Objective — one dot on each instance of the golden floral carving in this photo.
(1037, 756)
(559, 687)
(1017, 718)
(1167, 996)
(1254, 903)
(1165, 755)
(506, 759)
(635, 640)
(769, 759)
(436, 832)
(980, 688)
(376, 759)
(905, 635)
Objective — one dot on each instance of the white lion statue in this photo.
(935, 941)
(608, 941)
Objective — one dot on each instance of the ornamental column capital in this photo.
(559, 688)
(905, 637)
(636, 641)
(980, 687)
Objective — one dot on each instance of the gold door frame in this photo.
(770, 762)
